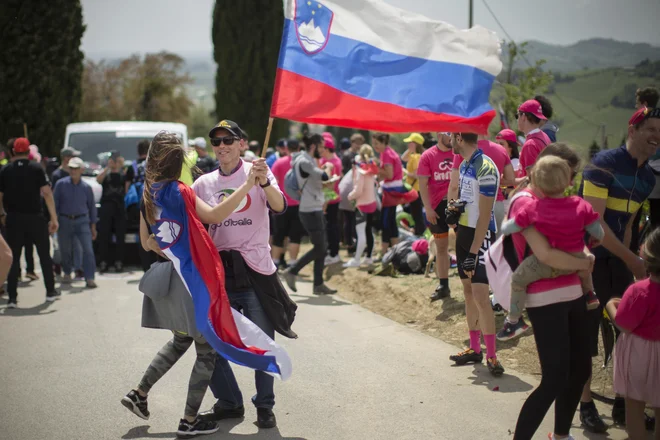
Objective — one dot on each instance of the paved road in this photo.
(357, 375)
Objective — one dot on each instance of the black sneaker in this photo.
(103, 267)
(266, 418)
(619, 415)
(52, 296)
(510, 331)
(650, 423)
(467, 356)
(198, 427)
(216, 414)
(136, 404)
(441, 292)
(119, 266)
(323, 290)
(495, 367)
(591, 420)
(498, 310)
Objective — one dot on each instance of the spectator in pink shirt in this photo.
(327, 152)
(287, 225)
(530, 120)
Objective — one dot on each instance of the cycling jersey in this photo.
(478, 176)
(614, 176)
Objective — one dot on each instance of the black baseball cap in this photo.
(228, 125)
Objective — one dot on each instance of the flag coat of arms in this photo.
(182, 237)
(367, 64)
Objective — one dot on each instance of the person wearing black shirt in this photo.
(205, 162)
(22, 183)
(112, 214)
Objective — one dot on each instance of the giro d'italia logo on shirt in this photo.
(242, 207)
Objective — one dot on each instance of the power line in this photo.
(559, 98)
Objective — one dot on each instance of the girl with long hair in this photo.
(164, 163)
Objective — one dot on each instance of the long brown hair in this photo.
(164, 163)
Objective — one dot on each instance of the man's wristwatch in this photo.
(265, 185)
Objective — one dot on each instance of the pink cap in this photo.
(329, 142)
(508, 135)
(532, 106)
(421, 246)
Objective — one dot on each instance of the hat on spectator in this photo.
(199, 142)
(507, 135)
(533, 107)
(231, 126)
(69, 152)
(21, 145)
(637, 118)
(114, 155)
(345, 144)
(282, 143)
(416, 138)
(76, 162)
(421, 246)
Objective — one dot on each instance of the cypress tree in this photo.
(40, 69)
(594, 149)
(246, 41)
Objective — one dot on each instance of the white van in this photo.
(93, 139)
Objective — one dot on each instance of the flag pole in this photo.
(268, 130)
(25, 130)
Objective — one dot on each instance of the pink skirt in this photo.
(637, 369)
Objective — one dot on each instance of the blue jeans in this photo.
(77, 254)
(76, 230)
(223, 382)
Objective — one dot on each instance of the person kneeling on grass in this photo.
(563, 220)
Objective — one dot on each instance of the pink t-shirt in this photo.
(639, 310)
(498, 155)
(436, 165)
(535, 142)
(336, 171)
(389, 157)
(546, 291)
(247, 229)
(562, 221)
(280, 168)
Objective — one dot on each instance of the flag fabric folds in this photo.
(182, 237)
(366, 64)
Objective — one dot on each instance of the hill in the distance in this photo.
(593, 54)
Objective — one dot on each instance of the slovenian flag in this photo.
(366, 64)
(182, 237)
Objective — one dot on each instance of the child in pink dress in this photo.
(563, 221)
(637, 352)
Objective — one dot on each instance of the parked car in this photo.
(95, 139)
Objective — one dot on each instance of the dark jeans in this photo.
(314, 224)
(69, 233)
(112, 217)
(418, 216)
(29, 257)
(350, 233)
(562, 341)
(332, 228)
(21, 230)
(223, 382)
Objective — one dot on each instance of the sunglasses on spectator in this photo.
(518, 115)
(227, 140)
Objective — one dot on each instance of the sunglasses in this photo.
(227, 140)
(518, 115)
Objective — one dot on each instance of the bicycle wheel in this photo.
(602, 369)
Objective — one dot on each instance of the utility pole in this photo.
(471, 19)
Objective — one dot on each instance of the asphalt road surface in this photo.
(357, 376)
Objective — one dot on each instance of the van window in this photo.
(91, 145)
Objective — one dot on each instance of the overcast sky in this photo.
(184, 26)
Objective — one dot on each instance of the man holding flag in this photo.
(242, 240)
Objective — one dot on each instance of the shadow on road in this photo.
(133, 282)
(506, 383)
(140, 432)
(41, 309)
(319, 300)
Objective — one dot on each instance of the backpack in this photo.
(292, 183)
(501, 261)
(404, 259)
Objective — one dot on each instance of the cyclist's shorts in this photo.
(464, 237)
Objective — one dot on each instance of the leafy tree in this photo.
(200, 121)
(40, 69)
(521, 84)
(152, 88)
(593, 149)
(246, 40)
